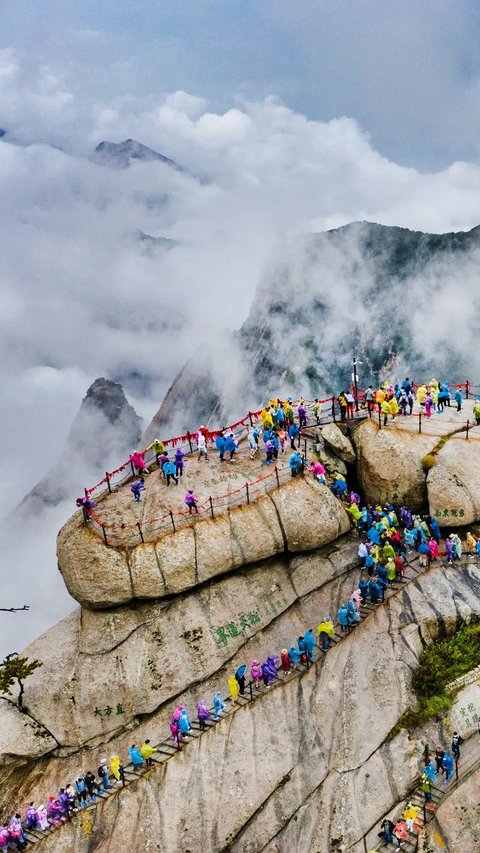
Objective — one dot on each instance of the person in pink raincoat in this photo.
(318, 471)
(428, 406)
(356, 597)
(256, 673)
(433, 547)
(138, 461)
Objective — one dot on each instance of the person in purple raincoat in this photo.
(179, 462)
(203, 713)
(449, 550)
(269, 670)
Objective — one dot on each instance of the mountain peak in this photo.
(120, 154)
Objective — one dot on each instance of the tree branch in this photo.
(14, 609)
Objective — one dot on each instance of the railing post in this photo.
(419, 421)
(133, 469)
(424, 812)
(305, 449)
(211, 506)
(333, 409)
(108, 482)
(171, 519)
(467, 388)
(189, 439)
(104, 534)
(250, 419)
(250, 687)
(278, 478)
(86, 493)
(140, 531)
(248, 493)
(379, 419)
(468, 427)
(456, 769)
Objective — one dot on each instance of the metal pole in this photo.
(419, 421)
(333, 409)
(425, 813)
(305, 449)
(355, 382)
(276, 474)
(133, 469)
(468, 426)
(251, 690)
(248, 493)
(171, 518)
(456, 769)
(211, 506)
(467, 388)
(108, 482)
(140, 531)
(379, 419)
(104, 534)
(250, 419)
(189, 439)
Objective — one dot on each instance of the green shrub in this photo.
(440, 664)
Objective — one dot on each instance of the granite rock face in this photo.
(299, 516)
(453, 484)
(308, 766)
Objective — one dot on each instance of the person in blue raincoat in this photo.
(295, 462)
(295, 655)
(424, 552)
(220, 443)
(353, 614)
(218, 705)
(363, 587)
(429, 770)
(293, 433)
(448, 765)
(184, 723)
(135, 757)
(435, 528)
(458, 399)
(310, 644)
(342, 614)
(375, 591)
(339, 485)
(231, 446)
(374, 535)
(240, 676)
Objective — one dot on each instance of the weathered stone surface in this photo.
(453, 484)
(299, 516)
(459, 818)
(142, 656)
(339, 443)
(21, 735)
(389, 464)
(307, 763)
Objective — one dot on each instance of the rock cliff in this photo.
(313, 762)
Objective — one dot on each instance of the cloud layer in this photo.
(82, 296)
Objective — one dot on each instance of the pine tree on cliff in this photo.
(16, 669)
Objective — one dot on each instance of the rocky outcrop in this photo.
(299, 516)
(121, 154)
(338, 443)
(453, 484)
(309, 766)
(389, 465)
(105, 430)
(313, 308)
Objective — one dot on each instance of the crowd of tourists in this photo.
(393, 399)
(443, 765)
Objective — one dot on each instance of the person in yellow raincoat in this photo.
(471, 543)
(385, 410)
(233, 687)
(326, 630)
(421, 394)
(114, 767)
(354, 511)
(146, 751)
(410, 815)
(394, 409)
(266, 418)
(379, 396)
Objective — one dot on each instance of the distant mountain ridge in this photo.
(120, 154)
(390, 296)
(105, 430)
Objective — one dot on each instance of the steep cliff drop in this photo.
(311, 763)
